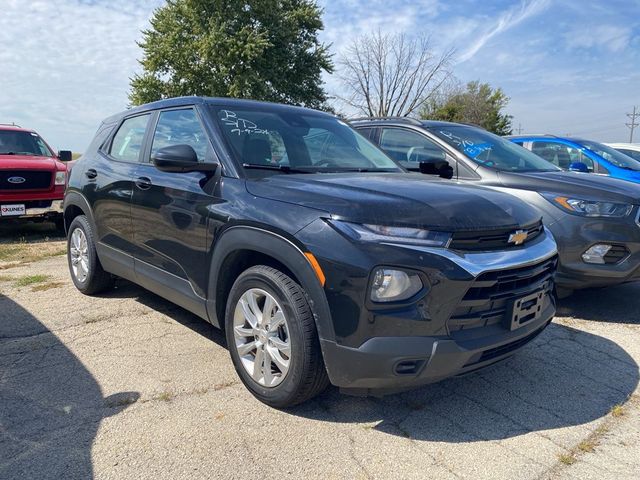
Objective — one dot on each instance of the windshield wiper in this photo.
(280, 168)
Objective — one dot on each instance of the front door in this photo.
(170, 210)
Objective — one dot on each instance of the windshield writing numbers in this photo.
(240, 125)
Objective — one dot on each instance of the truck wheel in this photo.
(85, 268)
(272, 338)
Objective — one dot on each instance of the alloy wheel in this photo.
(79, 251)
(261, 335)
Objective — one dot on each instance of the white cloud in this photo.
(614, 38)
(507, 20)
(66, 64)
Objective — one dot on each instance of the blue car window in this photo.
(617, 158)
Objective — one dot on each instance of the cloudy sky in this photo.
(569, 66)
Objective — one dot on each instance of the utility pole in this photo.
(633, 124)
(519, 128)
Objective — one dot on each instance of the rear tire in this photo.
(272, 338)
(86, 271)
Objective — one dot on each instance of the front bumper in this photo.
(388, 364)
(35, 209)
(462, 323)
(577, 234)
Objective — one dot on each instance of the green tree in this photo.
(479, 104)
(259, 49)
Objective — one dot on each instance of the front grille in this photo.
(24, 180)
(491, 239)
(489, 300)
(616, 254)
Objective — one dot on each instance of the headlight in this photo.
(61, 178)
(381, 233)
(589, 208)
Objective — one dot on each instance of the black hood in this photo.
(398, 199)
(586, 186)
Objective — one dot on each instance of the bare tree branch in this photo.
(391, 74)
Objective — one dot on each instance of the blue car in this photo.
(581, 155)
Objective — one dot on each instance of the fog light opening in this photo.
(393, 285)
(596, 254)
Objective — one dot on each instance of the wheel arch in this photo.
(241, 247)
(76, 204)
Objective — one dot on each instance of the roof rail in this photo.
(412, 121)
(12, 124)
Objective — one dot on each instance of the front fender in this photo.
(284, 251)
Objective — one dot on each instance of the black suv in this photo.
(322, 259)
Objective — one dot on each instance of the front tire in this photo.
(86, 271)
(272, 338)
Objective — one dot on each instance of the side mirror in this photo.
(578, 167)
(65, 155)
(180, 159)
(437, 167)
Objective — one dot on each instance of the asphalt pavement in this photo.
(127, 385)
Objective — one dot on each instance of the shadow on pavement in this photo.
(566, 377)
(619, 304)
(50, 404)
(19, 230)
(126, 289)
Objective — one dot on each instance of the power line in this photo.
(633, 124)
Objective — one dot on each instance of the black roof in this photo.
(219, 101)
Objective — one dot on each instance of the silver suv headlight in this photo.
(588, 208)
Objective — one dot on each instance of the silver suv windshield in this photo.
(490, 150)
(276, 138)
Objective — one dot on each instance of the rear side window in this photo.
(181, 127)
(127, 142)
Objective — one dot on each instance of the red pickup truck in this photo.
(32, 177)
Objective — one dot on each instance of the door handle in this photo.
(91, 173)
(143, 183)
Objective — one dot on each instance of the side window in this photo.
(127, 142)
(407, 146)
(365, 132)
(518, 142)
(560, 155)
(181, 127)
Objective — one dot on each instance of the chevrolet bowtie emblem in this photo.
(518, 237)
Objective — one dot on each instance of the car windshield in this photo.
(612, 155)
(635, 154)
(492, 151)
(275, 138)
(15, 142)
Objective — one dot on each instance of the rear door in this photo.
(109, 185)
(170, 210)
